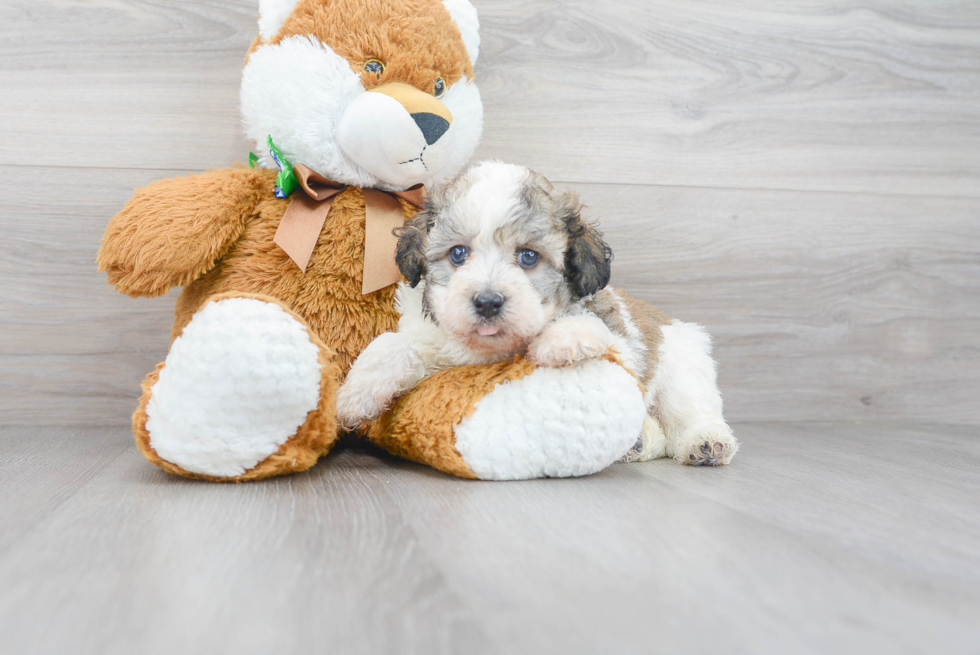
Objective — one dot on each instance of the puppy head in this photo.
(501, 252)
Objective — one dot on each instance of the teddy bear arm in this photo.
(173, 231)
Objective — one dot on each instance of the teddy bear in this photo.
(288, 270)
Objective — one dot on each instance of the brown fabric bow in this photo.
(301, 224)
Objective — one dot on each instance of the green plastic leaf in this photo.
(253, 160)
(286, 181)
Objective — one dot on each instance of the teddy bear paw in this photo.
(555, 422)
(237, 384)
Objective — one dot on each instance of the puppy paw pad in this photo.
(714, 448)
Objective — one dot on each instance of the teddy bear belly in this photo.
(345, 324)
(327, 295)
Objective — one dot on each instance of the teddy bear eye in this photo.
(458, 255)
(374, 66)
(440, 88)
(527, 258)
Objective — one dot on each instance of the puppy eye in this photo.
(440, 89)
(527, 258)
(458, 255)
(374, 66)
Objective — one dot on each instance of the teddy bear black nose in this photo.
(488, 304)
(432, 126)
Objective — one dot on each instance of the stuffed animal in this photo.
(288, 268)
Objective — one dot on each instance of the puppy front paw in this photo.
(355, 407)
(706, 445)
(569, 342)
(566, 351)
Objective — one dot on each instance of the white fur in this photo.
(386, 369)
(463, 100)
(523, 317)
(468, 21)
(395, 362)
(487, 200)
(485, 211)
(376, 132)
(652, 443)
(684, 395)
(296, 91)
(552, 329)
(512, 433)
(236, 385)
(272, 15)
(569, 340)
(313, 104)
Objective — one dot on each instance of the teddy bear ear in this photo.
(272, 14)
(466, 19)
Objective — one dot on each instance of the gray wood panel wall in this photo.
(802, 177)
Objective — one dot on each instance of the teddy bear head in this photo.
(372, 93)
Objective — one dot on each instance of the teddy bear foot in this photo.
(515, 421)
(246, 392)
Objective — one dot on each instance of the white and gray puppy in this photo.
(500, 263)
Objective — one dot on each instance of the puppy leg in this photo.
(652, 443)
(387, 368)
(686, 398)
(569, 340)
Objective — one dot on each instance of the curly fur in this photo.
(558, 313)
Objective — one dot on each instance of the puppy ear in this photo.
(410, 253)
(588, 258)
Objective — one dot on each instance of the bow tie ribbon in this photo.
(307, 211)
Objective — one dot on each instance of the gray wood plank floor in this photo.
(820, 538)
(801, 177)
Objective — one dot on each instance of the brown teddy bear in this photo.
(288, 268)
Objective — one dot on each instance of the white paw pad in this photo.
(555, 422)
(237, 384)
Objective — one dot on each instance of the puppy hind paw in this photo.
(711, 453)
(652, 443)
(713, 446)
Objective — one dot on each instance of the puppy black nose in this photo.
(488, 304)
(432, 126)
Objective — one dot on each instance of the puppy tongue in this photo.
(487, 330)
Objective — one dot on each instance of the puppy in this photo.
(499, 263)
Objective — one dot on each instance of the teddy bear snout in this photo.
(432, 126)
(398, 133)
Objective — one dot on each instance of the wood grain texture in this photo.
(818, 539)
(800, 177)
(829, 95)
(823, 306)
